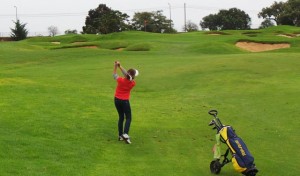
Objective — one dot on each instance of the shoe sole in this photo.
(126, 140)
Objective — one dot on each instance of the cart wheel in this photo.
(252, 173)
(215, 167)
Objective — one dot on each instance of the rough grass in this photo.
(57, 115)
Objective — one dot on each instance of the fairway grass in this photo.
(57, 115)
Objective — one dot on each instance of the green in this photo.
(57, 115)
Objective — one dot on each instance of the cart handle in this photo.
(213, 113)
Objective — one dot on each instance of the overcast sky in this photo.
(71, 14)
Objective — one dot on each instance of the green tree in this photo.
(53, 31)
(235, 19)
(69, 31)
(283, 13)
(19, 32)
(152, 22)
(190, 27)
(273, 12)
(232, 19)
(266, 23)
(211, 22)
(292, 11)
(142, 21)
(104, 20)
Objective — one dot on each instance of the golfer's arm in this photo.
(123, 70)
(115, 75)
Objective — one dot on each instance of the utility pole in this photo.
(145, 25)
(184, 17)
(16, 13)
(170, 17)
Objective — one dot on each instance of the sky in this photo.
(71, 14)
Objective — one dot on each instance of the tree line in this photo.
(104, 20)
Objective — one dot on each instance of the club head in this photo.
(211, 123)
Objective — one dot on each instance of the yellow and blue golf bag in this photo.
(242, 160)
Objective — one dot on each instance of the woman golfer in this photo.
(122, 95)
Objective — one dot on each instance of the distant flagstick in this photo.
(170, 17)
(16, 13)
(184, 17)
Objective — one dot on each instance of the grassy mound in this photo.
(57, 114)
(199, 42)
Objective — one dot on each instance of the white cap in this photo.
(136, 72)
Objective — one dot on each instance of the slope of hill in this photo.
(57, 115)
(196, 42)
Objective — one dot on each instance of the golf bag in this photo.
(242, 160)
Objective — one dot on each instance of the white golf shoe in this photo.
(121, 138)
(126, 138)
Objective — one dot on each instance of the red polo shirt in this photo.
(123, 88)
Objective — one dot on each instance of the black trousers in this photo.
(124, 111)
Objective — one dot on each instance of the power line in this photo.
(125, 10)
(46, 14)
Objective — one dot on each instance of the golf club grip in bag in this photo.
(242, 159)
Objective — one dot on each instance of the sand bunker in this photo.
(87, 46)
(259, 47)
(119, 49)
(78, 42)
(287, 36)
(56, 43)
(94, 47)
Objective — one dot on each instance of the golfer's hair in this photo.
(130, 73)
